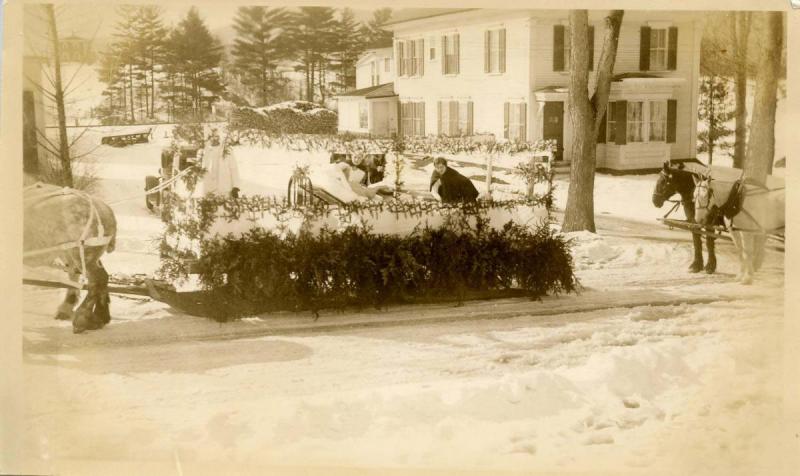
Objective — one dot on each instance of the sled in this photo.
(122, 140)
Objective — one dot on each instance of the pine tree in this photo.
(151, 35)
(259, 47)
(349, 44)
(193, 57)
(375, 35)
(714, 111)
(124, 47)
(311, 36)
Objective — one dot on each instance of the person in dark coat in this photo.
(450, 186)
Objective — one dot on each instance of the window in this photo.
(658, 49)
(410, 57)
(495, 51)
(412, 118)
(450, 63)
(611, 123)
(363, 121)
(562, 46)
(515, 121)
(387, 64)
(374, 71)
(455, 118)
(635, 121)
(432, 53)
(658, 121)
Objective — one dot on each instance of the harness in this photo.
(31, 196)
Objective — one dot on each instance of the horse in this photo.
(71, 230)
(672, 180)
(754, 211)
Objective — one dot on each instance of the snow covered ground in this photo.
(656, 370)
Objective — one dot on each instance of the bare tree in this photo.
(761, 146)
(63, 142)
(740, 31)
(587, 110)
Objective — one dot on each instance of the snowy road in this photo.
(648, 369)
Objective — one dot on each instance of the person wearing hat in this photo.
(449, 186)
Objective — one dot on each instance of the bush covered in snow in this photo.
(291, 117)
(263, 271)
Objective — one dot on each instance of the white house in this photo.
(372, 107)
(375, 67)
(505, 72)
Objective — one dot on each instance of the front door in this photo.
(380, 118)
(553, 127)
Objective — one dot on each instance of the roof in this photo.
(412, 14)
(372, 92)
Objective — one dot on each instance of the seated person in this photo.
(449, 186)
(371, 165)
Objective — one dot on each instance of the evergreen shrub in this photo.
(262, 271)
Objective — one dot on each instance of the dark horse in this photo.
(71, 230)
(672, 180)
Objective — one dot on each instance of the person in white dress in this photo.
(222, 171)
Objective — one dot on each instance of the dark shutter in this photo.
(421, 59)
(505, 120)
(591, 47)
(439, 115)
(458, 54)
(469, 118)
(400, 65)
(523, 122)
(486, 50)
(672, 51)
(672, 119)
(503, 50)
(452, 118)
(422, 118)
(644, 49)
(443, 56)
(558, 47)
(621, 133)
(601, 132)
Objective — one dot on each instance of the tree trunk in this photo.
(711, 119)
(761, 146)
(740, 30)
(587, 113)
(133, 93)
(63, 143)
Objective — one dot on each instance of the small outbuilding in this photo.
(371, 110)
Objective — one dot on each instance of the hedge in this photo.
(262, 271)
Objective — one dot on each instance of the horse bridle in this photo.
(704, 183)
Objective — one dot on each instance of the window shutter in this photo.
(523, 122)
(601, 132)
(486, 50)
(400, 68)
(503, 50)
(443, 56)
(621, 134)
(591, 47)
(505, 120)
(558, 47)
(469, 119)
(452, 116)
(439, 116)
(422, 118)
(644, 49)
(421, 57)
(672, 51)
(458, 54)
(672, 119)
